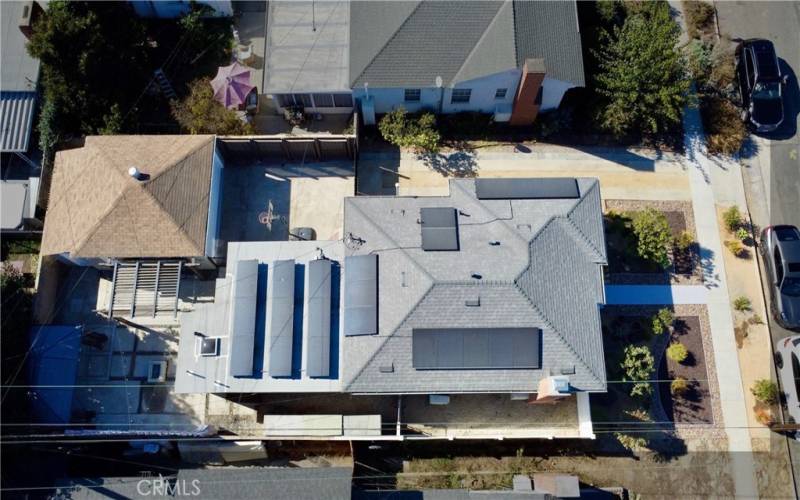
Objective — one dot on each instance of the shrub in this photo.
(677, 352)
(653, 235)
(732, 218)
(684, 241)
(725, 132)
(736, 247)
(200, 113)
(742, 234)
(699, 17)
(764, 416)
(698, 60)
(723, 65)
(641, 74)
(662, 320)
(765, 391)
(756, 320)
(631, 443)
(401, 129)
(638, 365)
(679, 386)
(742, 303)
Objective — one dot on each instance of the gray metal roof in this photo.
(20, 76)
(533, 264)
(401, 44)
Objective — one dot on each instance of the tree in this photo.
(641, 73)
(91, 61)
(765, 391)
(677, 352)
(638, 365)
(653, 235)
(403, 130)
(200, 113)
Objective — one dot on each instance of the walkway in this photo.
(734, 410)
(655, 294)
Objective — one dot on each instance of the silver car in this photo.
(788, 360)
(780, 247)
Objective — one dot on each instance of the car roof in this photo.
(790, 251)
(765, 58)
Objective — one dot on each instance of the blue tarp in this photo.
(53, 361)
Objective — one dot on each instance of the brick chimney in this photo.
(526, 106)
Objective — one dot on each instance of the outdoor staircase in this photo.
(164, 84)
(145, 288)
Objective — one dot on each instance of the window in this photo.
(412, 95)
(796, 373)
(748, 64)
(538, 100)
(460, 95)
(500, 93)
(343, 100)
(285, 100)
(778, 266)
(323, 100)
(303, 100)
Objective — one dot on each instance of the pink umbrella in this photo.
(231, 85)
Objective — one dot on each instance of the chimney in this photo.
(30, 11)
(527, 100)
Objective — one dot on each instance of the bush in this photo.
(679, 386)
(200, 113)
(653, 235)
(756, 320)
(638, 365)
(698, 60)
(641, 74)
(725, 132)
(699, 17)
(677, 352)
(662, 320)
(732, 218)
(631, 443)
(765, 391)
(742, 234)
(403, 130)
(684, 241)
(723, 65)
(742, 303)
(736, 247)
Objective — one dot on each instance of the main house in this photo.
(508, 58)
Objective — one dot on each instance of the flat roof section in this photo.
(361, 295)
(242, 321)
(280, 318)
(527, 189)
(317, 319)
(439, 228)
(476, 348)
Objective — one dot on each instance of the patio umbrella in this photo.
(231, 85)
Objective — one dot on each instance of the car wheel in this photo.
(779, 360)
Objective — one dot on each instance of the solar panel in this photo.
(242, 321)
(317, 319)
(361, 295)
(280, 318)
(439, 228)
(475, 348)
(527, 189)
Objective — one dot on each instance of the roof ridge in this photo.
(391, 38)
(483, 36)
(597, 253)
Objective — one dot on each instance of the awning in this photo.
(16, 120)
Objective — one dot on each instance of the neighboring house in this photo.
(175, 8)
(18, 99)
(494, 289)
(507, 58)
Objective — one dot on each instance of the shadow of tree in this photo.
(461, 163)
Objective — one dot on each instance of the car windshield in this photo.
(791, 287)
(769, 90)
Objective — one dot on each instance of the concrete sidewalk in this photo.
(655, 294)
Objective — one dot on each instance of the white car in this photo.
(788, 361)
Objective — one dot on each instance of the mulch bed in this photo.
(693, 407)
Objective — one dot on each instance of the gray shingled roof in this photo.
(544, 273)
(400, 44)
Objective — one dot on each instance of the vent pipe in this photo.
(134, 172)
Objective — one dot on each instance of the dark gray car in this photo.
(780, 247)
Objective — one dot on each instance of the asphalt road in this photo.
(777, 156)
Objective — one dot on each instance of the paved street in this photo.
(772, 176)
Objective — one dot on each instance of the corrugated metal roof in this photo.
(16, 120)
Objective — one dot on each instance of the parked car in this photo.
(780, 247)
(761, 84)
(788, 361)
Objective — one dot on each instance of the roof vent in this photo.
(139, 176)
(494, 243)
(474, 301)
(476, 276)
(386, 368)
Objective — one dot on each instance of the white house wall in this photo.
(552, 93)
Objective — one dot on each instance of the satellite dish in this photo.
(439, 81)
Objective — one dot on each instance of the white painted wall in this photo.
(553, 93)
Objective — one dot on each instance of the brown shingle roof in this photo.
(97, 210)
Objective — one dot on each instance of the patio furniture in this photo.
(232, 85)
(244, 53)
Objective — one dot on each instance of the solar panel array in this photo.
(317, 319)
(527, 189)
(361, 295)
(439, 228)
(476, 348)
(280, 318)
(242, 320)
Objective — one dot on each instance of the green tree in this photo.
(404, 130)
(653, 235)
(638, 365)
(200, 113)
(642, 76)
